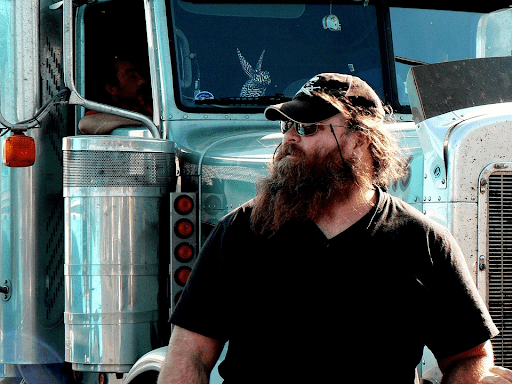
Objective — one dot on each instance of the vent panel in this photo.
(500, 264)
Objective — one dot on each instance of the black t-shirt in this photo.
(299, 307)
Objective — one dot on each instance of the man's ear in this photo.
(358, 144)
(111, 90)
(360, 140)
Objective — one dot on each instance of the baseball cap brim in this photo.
(302, 111)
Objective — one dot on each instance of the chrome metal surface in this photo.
(160, 57)
(151, 361)
(114, 190)
(500, 263)
(31, 204)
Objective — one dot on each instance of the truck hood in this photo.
(224, 161)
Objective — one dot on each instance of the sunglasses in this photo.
(302, 129)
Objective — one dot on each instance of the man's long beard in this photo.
(303, 189)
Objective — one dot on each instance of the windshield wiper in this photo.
(261, 100)
(406, 61)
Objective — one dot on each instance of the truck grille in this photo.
(500, 264)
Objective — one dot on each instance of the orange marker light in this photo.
(19, 150)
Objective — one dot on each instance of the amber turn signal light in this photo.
(19, 150)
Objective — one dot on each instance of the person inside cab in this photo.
(124, 87)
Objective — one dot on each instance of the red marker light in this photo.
(184, 228)
(182, 274)
(184, 205)
(184, 252)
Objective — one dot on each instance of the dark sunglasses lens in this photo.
(285, 126)
(306, 130)
(302, 130)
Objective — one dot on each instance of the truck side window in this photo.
(116, 63)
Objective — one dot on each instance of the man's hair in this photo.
(388, 162)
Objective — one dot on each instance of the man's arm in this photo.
(190, 358)
(474, 366)
(103, 123)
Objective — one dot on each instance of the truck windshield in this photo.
(249, 55)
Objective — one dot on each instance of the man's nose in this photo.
(291, 135)
(140, 79)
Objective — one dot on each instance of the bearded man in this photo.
(323, 276)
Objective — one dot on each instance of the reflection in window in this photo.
(431, 36)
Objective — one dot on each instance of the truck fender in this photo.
(147, 367)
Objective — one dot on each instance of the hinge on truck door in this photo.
(5, 290)
(482, 265)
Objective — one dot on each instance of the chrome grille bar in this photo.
(500, 264)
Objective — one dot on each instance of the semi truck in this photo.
(98, 233)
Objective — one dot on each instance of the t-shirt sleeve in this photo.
(202, 307)
(458, 316)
